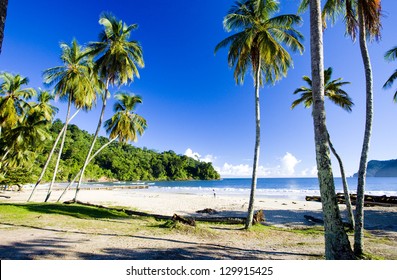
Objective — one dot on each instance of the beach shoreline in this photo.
(279, 211)
(43, 237)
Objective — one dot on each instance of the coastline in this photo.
(279, 211)
(58, 232)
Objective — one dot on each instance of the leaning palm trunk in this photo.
(250, 214)
(91, 158)
(60, 151)
(348, 202)
(362, 172)
(87, 159)
(337, 244)
(50, 155)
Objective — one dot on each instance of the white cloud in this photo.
(286, 168)
(288, 163)
(314, 171)
(229, 170)
(208, 158)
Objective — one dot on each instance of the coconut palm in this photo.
(13, 107)
(13, 98)
(24, 140)
(43, 106)
(391, 55)
(337, 245)
(124, 125)
(117, 62)
(3, 15)
(362, 17)
(74, 81)
(259, 44)
(333, 91)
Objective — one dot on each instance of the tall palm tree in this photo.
(259, 44)
(333, 91)
(3, 15)
(74, 81)
(124, 125)
(117, 62)
(337, 245)
(13, 98)
(362, 17)
(391, 55)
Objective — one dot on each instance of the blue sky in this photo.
(190, 99)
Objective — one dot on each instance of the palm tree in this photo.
(118, 59)
(75, 81)
(24, 140)
(337, 245)
(3, 15)
(13, 98)
(391, 55)
(362, 17)
(124, 125)
(43, 105)
(259, 44)
(332, 90)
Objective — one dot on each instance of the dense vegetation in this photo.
(119, 161)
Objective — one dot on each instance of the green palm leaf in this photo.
(332, 90)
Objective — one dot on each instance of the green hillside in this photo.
(115, 162)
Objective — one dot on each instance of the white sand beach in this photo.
(278, 211)
(45, 238)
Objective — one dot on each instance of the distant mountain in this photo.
(381, 168)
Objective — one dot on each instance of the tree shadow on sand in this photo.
(62, 248)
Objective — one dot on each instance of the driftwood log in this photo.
(186, 221)
(227, 220)
(369, 200)
(209, 211)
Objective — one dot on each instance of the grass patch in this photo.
(73, 210)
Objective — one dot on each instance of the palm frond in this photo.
(391, 80)
(391, 54)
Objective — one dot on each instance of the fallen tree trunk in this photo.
(228, 220)
(369, 200)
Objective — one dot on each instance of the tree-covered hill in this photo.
(381, 168)
(120, 162)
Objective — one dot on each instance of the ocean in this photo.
(291, 188)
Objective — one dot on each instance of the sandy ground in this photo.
(21, 241)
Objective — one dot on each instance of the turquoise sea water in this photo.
(296, 188)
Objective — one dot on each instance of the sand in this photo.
(51, 242)
(278, 211)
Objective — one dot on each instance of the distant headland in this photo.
(381, 168)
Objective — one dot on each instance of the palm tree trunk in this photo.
(337, 244)
(362, 172)
(348, 202)
(3, 15)
(50, 155)
(91, 158)
(250, 214)
(60, 150)
(87, 159)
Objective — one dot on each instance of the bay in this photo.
(291, 188)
